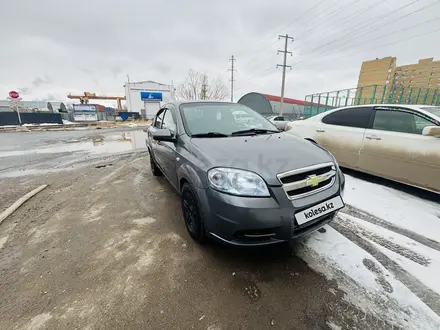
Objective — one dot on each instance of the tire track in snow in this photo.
(372, 236)
(350, 210)
(425, 294)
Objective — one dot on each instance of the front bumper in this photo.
(250, 221)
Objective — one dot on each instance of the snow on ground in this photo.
(383, 250)
(394, 206)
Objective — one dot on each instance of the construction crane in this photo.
(84, 99)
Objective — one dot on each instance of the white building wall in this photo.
(136, 104)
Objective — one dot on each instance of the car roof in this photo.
(417, 107)
(178, 103)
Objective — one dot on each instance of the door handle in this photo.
(320, 130)
(373, 137)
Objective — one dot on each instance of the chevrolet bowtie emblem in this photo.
(313, 180)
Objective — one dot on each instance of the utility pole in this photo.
(204, 90)
(129, 92)
(232, 59)
(284, 66)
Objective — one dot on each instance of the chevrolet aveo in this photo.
(243, 184)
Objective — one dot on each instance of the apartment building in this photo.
(382, 81)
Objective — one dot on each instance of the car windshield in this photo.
(434, 110)
(222, 118)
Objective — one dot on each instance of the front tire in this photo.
(191, 214)
(154, 168)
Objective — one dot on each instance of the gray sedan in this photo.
(238, 184)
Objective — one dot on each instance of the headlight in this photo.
(287, 128)
(237, 182)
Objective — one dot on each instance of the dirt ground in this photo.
(107, 248)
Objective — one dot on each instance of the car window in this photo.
(159, 117)
(399, 121)
(279, 119)
(352, 117)
(287, 119)
(168, 121)
(222, 118)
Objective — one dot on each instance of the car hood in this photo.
(265, 154)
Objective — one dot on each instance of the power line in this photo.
(364, 25)
(284, 66)
(344, 48)
(286, 26)
(350, 18)
(375, 47)
(326, 17)
(232, 59)
(302, 15)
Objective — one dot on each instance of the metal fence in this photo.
(374, 94)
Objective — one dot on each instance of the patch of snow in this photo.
(9, 126)
(3, 240)
(402, 209)
(338, 258)
(38, 321)
(49, 124)
(428, 274)
(67, 122)
(144, 221)
(29, 125)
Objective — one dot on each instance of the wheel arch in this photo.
(187, 173)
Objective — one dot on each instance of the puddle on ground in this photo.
(41, 156)
(100, 144)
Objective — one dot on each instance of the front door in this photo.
(155, 145)
(168, 149)
(396, 149)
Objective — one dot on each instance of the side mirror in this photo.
(431, 131)
(163, 135)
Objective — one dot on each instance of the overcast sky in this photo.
(53, 47)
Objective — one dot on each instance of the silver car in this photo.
(280, 121)
(399, 142)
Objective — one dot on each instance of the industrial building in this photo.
(381, 80)
(267, 105)
(146, 97)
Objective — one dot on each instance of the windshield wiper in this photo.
(254, 131)
(210, 135)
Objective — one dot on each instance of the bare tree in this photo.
(197, 87)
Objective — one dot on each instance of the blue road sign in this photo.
(151, 96)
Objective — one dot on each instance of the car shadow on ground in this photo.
(266, 262)
(417, 192)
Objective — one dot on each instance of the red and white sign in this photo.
(14, 95)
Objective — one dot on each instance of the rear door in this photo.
(395, 148)
(342, 132)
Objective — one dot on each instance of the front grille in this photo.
(308, 180)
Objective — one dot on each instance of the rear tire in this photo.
(191, 214)
(154, 168)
